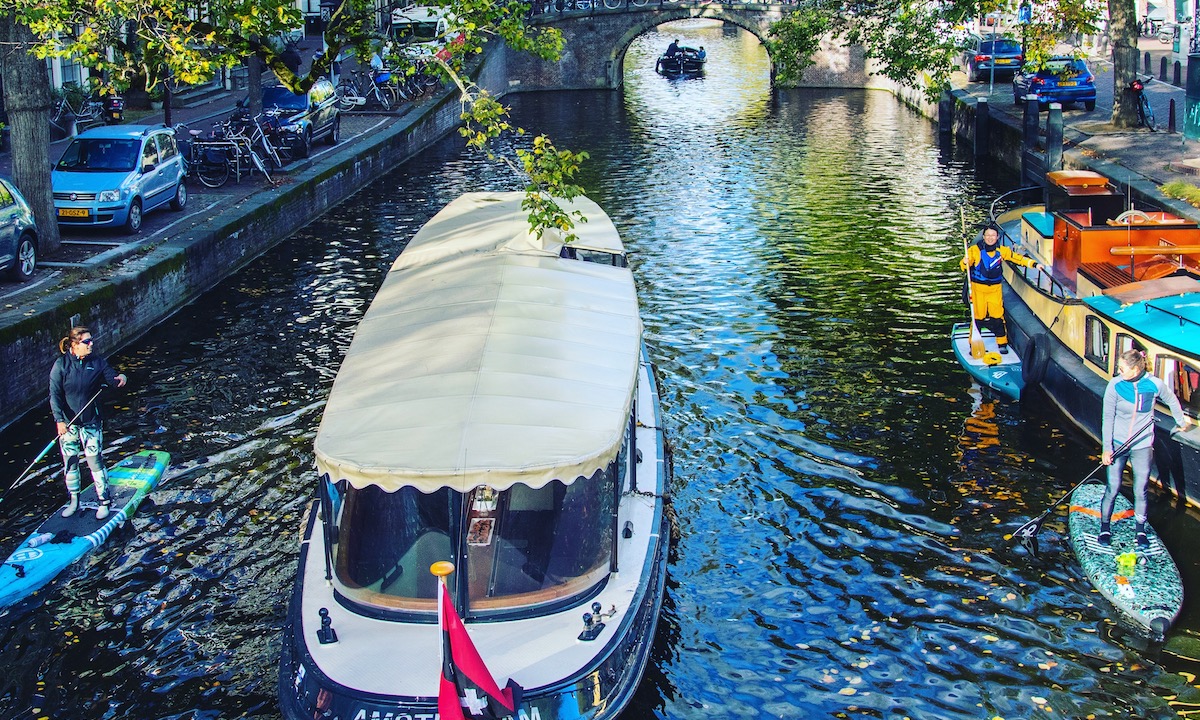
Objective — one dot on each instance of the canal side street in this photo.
(122, 286)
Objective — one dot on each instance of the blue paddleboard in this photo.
(60, 541)
(1001, 373)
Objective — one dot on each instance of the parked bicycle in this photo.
(1144, 111)
(1148, 27)
(418, 83)
(86, 109)
(361, 87)
(1168, 33)
(227, 151)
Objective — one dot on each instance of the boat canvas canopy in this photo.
(486, 359)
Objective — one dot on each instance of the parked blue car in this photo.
(18, 234)
(1064, 80)
(112, 176)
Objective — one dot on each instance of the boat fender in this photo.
(1035, 358)
(992, 357)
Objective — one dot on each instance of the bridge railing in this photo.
(541, 8)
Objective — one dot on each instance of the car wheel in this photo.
(304, 149)
(335, 135)
(26, 260)
(180, 200)
(133, 223)
(1089, 104)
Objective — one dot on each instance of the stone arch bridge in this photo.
(598, 37)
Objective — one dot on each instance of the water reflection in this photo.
(842, 493)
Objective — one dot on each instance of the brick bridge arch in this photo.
(597, 40)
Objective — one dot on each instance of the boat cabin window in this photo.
(535, 546)
(524, 547)
(1096, 346)
(595, 256)
(1125, 342)
(1182, 377)
(387, 541)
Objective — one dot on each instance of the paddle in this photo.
(45, 450)
(1029, 531)
(977, 348)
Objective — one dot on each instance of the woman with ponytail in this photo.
(75, 380)
(1128, 410)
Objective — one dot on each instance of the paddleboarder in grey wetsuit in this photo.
(75, 379)
(1128, 406)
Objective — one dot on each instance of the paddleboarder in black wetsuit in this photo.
(75, 380)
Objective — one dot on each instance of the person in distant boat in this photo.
(986, 262)
(673, 50)
(1128, 407)
(700, 54)
(75, 379)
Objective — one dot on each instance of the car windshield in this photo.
(1003, 47)
(281, 97)
(1063, 68)
(99, 155)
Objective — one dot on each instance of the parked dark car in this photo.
(18, 234)
(981, 54)
(111, 176)
(1064, 79)
(304, 117)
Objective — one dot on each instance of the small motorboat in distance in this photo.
(688, 61)
(495, 410)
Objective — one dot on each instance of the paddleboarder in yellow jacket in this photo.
(986, 261)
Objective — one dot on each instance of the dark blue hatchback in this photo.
(1063, 79)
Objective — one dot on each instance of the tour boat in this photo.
(1115, 278)
(495, 409)
(688, 61)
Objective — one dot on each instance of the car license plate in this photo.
(73, 212)
(1067, 83)
(1004, 61)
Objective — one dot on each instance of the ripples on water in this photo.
(842, 495)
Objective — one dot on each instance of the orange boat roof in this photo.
(1078, 179)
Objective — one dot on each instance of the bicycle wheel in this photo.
(614, 4)
(346, 93)
(1147, 113)
(383, 98)
(211, 173)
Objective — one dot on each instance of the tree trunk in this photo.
(1122, 28)
(27, 99)
(254, 71)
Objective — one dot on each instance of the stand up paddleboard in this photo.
(1146, 589)
(60, 541)
(1001, 373)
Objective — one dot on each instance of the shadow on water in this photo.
(842, 493)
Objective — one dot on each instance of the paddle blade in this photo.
(977, 348)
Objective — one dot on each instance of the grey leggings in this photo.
(88, 442)
(1139, 463)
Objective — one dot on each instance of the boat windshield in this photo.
(525, 547)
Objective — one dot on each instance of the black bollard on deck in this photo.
(1162, 69)
(1177, 77)
(1146, 63)
(1054, 137)
(1171, 117)
(983, 123)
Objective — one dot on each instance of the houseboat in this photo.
(1115, 278)
(496, 410)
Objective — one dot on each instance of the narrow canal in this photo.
(842, 493)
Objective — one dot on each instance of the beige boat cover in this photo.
(485, 359)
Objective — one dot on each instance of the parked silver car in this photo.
(18, 233)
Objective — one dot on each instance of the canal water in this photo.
(843, 495)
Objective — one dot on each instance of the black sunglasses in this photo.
(88, 341)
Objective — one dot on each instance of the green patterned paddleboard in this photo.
(1143, 584)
